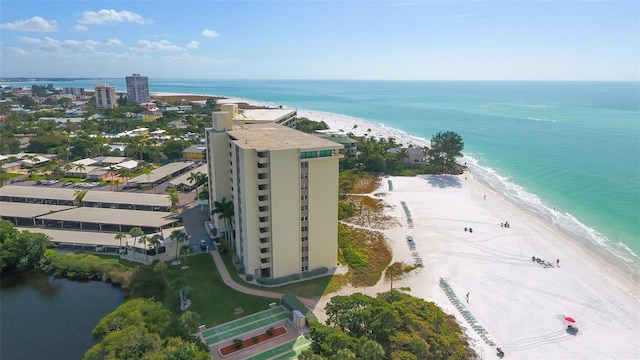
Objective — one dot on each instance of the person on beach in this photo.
(467, 296)
(558, 262)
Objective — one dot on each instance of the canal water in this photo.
(46, 318)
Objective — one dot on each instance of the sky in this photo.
(350, 40)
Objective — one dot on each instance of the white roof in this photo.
(38, 192)
(161, 172)
(116, 197)
(113, 159)
(130, 164)
(78, 237)
(182, 179)
(25, 210)
(114, 216)
(85, 162)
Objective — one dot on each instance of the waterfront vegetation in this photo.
(391, 326)
(365, 252)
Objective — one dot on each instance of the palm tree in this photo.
(179, 237)
(403, 154)
(147, 171)
(67, 167)
(81, 168)
(354, 129)
(125, 174)
(185, 250)
(155, 242)
(224, 209)
(174, 198)
(143, 240)
(119, 237)
(194, 179)
(112, 170)
(79, 195)
(134, 233)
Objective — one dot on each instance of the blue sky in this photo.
(388, 40)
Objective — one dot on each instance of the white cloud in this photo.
(35, 24)
(52, 45)
(111, 16)
(114, 42)
(209, 33)
(193, 45)
(80, 28)
(19, 51)
(162, 45)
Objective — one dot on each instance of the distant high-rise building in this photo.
(73, 90)
(105, 96)
(137, 88)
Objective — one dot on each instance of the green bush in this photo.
(316, 272)
(249, 277)
(270, 330)
(255, 339)
(238, 343)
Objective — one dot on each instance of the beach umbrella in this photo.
(569, 319)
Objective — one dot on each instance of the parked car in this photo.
(15, 180)
(203, 245)
(68, 183)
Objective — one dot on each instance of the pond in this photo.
(47, 318)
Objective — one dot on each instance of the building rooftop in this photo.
(195, 149)
(116, 197)
(182, 179)
(78, 237)
(277, 137)
(38, 192)
(339, 139)
(25, 210)
(85, 162)
(263, 115)
(114, 216)
(161, 172)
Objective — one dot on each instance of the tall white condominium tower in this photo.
(137, 88)
(283, 185)
(105, 96)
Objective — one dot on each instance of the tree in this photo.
(143, 240)
(173, 148)
(224, 210)
(446, 147)
(211, 103)
(185, 250)
(174, 199)
(79, 195)
(194, 179)
(134, 233)
(147, 171)
(119, 237)
(178, 237)
(125, 174)
(156, 242)
(189, 320)
(161, 268)
(354, 128)
(81, 168)
(113, 170)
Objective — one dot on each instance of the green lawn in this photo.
(209, 296)
(309, 288)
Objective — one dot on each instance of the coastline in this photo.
(519, 302)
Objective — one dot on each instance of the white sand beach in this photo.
(521, 304)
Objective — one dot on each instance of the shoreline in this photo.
(520, 303)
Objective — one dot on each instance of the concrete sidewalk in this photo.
(226, 277)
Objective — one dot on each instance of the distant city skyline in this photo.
(355, 40)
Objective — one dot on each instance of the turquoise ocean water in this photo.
(574, 146)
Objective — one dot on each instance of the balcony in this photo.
(264, 240)
(265, 260)
(264, 219)
(263, 161)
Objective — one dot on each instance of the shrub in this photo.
(238, 343)
(255, 339)
(270, 331)
(316, 272)
(249, 277)
(277, 281)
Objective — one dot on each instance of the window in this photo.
(305, 238)
(304, 228)
(304, 176)
(304, 218)
(305, 268)
(305, 249)
(304, 186)
(304, 208)
(308, 154)
(324, 153)
(304, 164)
(304, 197)
(305, 258)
